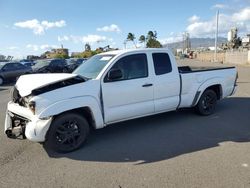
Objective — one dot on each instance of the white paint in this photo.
(26, 83)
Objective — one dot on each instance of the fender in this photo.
(74, 103)
(207, 84)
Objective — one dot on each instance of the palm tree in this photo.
(152, 35)
(87, 47)
(131, 37)
(142, 39)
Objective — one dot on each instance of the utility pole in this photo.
(125, 44)
(216, 36)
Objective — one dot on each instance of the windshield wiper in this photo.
(84, 77)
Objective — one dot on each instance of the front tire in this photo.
(207, 103)
(67, 133)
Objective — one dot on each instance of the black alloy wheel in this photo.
(67, 132)
(207, 103)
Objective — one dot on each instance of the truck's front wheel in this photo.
(207, 103)
(67, 133)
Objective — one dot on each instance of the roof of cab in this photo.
(118, 52)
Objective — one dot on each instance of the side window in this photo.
(54, 63)
(20, 66)
(132, 66)
(162, 63)
(9, 67)
(58, 63)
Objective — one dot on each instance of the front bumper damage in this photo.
(21, 123)
(15, 126)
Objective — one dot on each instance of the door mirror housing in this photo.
(114, 74)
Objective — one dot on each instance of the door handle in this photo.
(147, 85)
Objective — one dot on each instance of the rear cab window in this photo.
(162, 63)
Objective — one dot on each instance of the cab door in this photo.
(131, 95)
(166, 83)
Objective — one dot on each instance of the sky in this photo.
(35, 26)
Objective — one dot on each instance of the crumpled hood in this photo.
(26, 83)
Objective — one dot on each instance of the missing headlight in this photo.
(32, 106)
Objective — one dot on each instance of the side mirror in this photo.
(114, 74)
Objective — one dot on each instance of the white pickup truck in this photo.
(60, 109)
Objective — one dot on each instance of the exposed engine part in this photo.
(18, 127)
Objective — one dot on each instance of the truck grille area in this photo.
(18, 126)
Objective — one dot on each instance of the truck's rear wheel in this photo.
(67, 133)
(207, 103)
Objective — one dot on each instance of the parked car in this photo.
(59, 109)
(73, 63)
(50, 66)
(11, 71)
(26, 62)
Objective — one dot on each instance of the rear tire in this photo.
(207, 103)
(67, 133)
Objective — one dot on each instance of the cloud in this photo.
(243, 15)
(12, 48)
(171, 39)
(93, 39)
(84, 39)
(63, 38)
(38, 27)
(35, 47)
(48, 47)
(193, 19)
(220, 6)
(110, 28)
(240, 19)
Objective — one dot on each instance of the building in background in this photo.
(56, 53)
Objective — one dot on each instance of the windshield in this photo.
(2, 64)
(93, 66)
(41, 63)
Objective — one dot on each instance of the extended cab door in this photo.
(166, 82)
(132, 94)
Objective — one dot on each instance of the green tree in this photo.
(131, 37)
(153, 43)
(87, 54)
(60, 56)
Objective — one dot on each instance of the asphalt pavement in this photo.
(175, 149)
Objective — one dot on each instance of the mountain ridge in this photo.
(197, 42)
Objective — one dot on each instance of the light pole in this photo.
(216, 36)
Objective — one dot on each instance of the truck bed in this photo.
(188, 69)
(195, 79)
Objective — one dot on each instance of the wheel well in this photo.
(83, 111)
(217, 89)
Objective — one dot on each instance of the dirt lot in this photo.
(176, 149)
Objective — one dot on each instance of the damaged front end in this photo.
(22, 115)
(16, 126)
